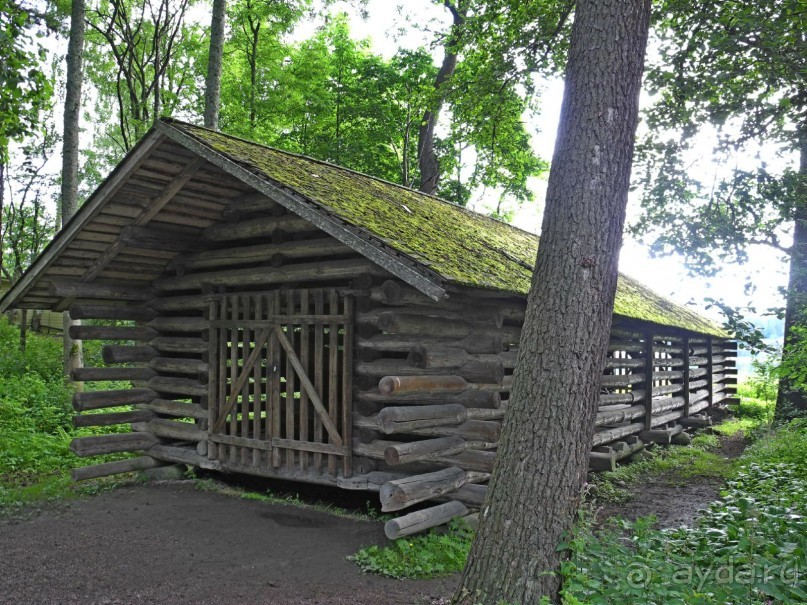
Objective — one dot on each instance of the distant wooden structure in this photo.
(289, 318)
(45, 322)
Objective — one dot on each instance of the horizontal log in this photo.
(607, 435)
(266, 276)
(372, 481)
(615, 398)
(76, 289)
(411, 324)
(472, 430)
(118, 312)
(182, 455)
(324, 247)
(179, 409)
(473, 371)
(173, 429)
(613, 363)
(397, 385)
(396, 343)
(117, 467)
(468, 398)
(615, 416)
(470, 494)
(621, 381)
(96, 400)
(179, 365)
(403, 453)
(136, 333)
(696, 422)
(668, 389)
(408, 491)
(182, 386)
(109, 444)
(666, 418)
(668, 375)
(257, 227)
(402, 419)
(179, 303)
(179, 324)
(424, 519)
(177, 344)
(112, 418)
(151, 238)
(127, 354)
(99, 374)
(470, 460)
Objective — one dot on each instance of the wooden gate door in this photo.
(280, 383)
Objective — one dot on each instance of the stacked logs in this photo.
(433, 384)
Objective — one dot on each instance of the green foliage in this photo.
(25, 89)
(749, 547)
(786, 444)
(433, 555)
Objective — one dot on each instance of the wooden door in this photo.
(280, 382)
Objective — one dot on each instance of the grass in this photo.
(36, 423)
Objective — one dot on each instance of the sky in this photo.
(384, 26)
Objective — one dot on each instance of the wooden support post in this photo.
(709, 372)
(648, 376)
(686, 376)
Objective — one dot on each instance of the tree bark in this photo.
(791, 399)
(73, 357)
(543, 454)
(213, 79)
(427, 159)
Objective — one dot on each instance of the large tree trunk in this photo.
(543, 457)
(791, 398)
(73, 357)
(427, 159)
(213, 79)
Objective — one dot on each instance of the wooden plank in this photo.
(257, 403)
(233, 390)
(319, 345)
(347, 386)
(290, 381)
(114, 468)
(221, 396)
(310, 446)
(305, 335)
(649, 365)
(333, 370)
(275, 389)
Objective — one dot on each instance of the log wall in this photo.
(433, 384)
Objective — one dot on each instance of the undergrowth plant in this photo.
(438, 553)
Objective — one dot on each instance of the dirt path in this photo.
(170, 544)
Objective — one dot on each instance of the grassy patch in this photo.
(438, 553)
(748, 547)
(36, 423)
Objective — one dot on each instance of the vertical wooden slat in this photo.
(234, 356)
(319, 343)
(686, 376)
(246, 339)
(290, 380)
(347, 385)
(268, 386)
(333, 370)
(304, 359)
(257, 406)
(213, 384)
(649, 364)
(221, 397)
(275, 390)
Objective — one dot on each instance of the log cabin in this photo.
(283, 317)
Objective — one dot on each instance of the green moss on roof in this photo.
(462, 246)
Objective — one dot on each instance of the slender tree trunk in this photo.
(543, 454)
(427, 159)
(213, 79)
(791, 398)
(73, 355)
(2, 206)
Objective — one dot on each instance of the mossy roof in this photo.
(465, 248)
